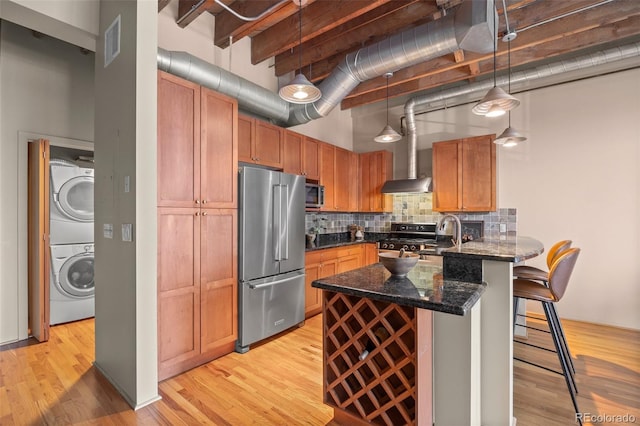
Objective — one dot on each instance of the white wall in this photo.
(73, 21)
(577, 177)
(46, 88)
(196, 39)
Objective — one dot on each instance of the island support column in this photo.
(497, 344)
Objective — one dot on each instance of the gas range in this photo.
(413, 237)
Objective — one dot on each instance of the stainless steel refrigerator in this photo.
(270, 254)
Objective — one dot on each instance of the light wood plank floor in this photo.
(280, 383)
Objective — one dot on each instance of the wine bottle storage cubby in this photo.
(370, 359)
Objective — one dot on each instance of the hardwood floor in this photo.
(280, 382)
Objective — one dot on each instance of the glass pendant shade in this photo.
(300, 91)
(495, 103)
(387, 135)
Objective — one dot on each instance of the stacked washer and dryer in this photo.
(72, 286)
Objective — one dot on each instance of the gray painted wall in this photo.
(125, 133)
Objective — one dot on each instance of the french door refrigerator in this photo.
(270, 254)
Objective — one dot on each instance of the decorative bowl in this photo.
(398, 266)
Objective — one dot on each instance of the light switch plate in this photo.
(127, 231)
(127, 184)
(503, 228)
(107, 230)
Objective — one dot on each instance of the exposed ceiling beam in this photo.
(319, 17)
(188, 10)
(162, 4)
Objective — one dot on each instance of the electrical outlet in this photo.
(503, 228)
(127, 232)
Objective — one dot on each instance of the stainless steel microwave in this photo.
(314, 196)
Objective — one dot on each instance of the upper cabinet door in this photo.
(311, 158)
(219, 151)
(479, 174)
(293, 153)
(342, 183)
(327, 175)
(447, 176)
(178, 141)
(268, 145)
(246, 131)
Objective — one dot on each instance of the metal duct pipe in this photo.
(581, 62)
(468, 29)
(251, 97)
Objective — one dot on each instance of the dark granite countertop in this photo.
(416, 289)
(324, 241)
(512, 249)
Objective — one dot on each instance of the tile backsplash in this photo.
(408, 208)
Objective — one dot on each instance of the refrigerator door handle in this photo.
(271, 284)
(285, 224)
(277, 220)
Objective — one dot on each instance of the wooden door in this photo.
(218, 280)
(246, 131)
(329, 267)
(178, 289)
(327, 175)
(375, 184)
(311, 158)
(365, 182)
(479, 174)
(447, 176)
(348, 263)
(269, 150)
(39, 260)
(342, 183)
(293, 153)
(218, 150)
(178, 141)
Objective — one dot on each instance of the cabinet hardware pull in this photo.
(197, 213)
(204, 201)
(197, 201)
(204, 213)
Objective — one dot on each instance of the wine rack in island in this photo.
(378, 361)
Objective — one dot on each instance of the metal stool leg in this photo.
(561, 358)
(563, 337)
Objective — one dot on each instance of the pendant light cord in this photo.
(300, 34)
(495, 30)
(388, 99)
(509, 69)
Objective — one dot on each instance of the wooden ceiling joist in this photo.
(188, 10)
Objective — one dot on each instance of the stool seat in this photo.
(532, 290)
(530, 273)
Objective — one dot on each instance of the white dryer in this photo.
(72, 286)
(71, 204)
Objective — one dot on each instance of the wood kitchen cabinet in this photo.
(464, 175)
(301, 155)
(370, 254)
(318, 264)
(197, 225)
(349, 257)
(343, 181)
(197, 145)
(260, 142)
(328, 175)
(375, 169)
(197, 296)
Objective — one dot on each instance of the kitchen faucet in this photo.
(442, 222)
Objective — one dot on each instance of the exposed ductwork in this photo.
(478, 89)
(467, 29)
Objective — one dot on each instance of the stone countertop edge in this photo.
(333, 244)
(514, 249)
(376, 283)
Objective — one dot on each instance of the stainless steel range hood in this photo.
(407, 186)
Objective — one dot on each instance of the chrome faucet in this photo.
(442, 222)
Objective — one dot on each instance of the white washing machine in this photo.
(71, 203)
(72, 286)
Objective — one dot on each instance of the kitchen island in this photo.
(470, 347)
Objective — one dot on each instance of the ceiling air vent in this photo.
(112, 42)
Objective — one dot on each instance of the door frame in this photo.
(23, 189)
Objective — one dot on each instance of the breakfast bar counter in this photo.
(432, 348)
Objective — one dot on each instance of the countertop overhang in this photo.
(511, 249)
(422, 288)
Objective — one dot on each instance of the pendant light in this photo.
(300, 90)
(510, 137)
(496, 102)
(388, 135)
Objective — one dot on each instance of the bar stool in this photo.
(533, 273)
(558, 280)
